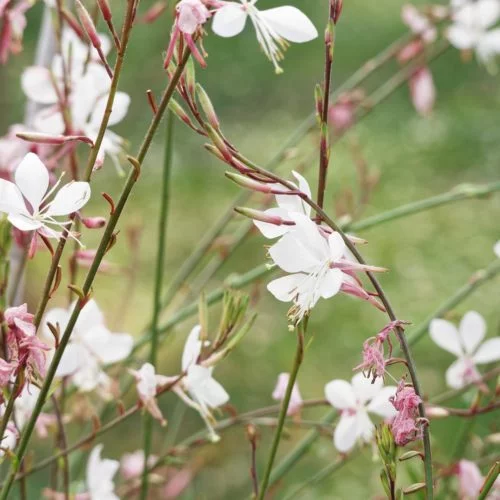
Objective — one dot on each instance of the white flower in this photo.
(309, 256)
(465, 343)
(12, 150)
(147, 383)
(471, 21)
(204, 391)
(280, 392)
(273, 27)
(286, 204)
(100, 473)
(9, 439)
(91, 346)
(496, 249)
(32, 184)
(418, 23)
(355, 400)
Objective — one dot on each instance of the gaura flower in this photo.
(23, 408)
(465, 343)
(318, 266)
(355, 401)
(280, 391)
(9, 439)
(418, 23)
(469, 31)
(470, 482)
(286, 204)
(132, 464)
(12, 151)
(198, 389)
(100, 473)
(25, 201)
(405, 427)
(147, 382)
(273, 27)
(91, 346)
(422, 91)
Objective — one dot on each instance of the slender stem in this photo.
(63, 443)
(490, 481)
(299, 355)
(160, 265)
(324, 148)
(101, 251)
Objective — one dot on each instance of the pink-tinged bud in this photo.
(206, 105)
(73, 23)
(351, 265)
(177, 109)
(341, 115)
(263, 216)
(85, 258)
(260, 187)
(422, 91)
(436, 412)
(318, 100)
(219, 143)
(410, 51)
(280, 391)
(177, 484)
(338, 6)
(53, 139)
(88, 24)
(105, 9)
(94, 222)
(154, 12)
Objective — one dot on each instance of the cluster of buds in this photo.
(406, 427)
(374, 356)
(387, 451)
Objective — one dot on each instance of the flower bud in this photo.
(94, 222)
(190, 77)
(318, 99)
(436, 412)
(414, 488)
(178, 111)
(207, 106)
(105, 10)
(57, 140)
(88, 24)
(154, 12)
(339, 4)
(263, 216)
(219, 143)
(260, 187)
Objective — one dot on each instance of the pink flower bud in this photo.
(88, 24)
(263, 216)
(105, 10)
(422, 91)
(260, 187)
(154, 12)
(280, 391)
(40, 138)
(94, 222)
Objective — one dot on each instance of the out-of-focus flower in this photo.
(178, 483)
(91, 346)
(273, 27)
(280, 391)
(418, 23)
(190, 16)
(147, 382)
(465, 344)
(470, 482)
(23, 408)
(12, 151)
(32, 184)
(496, 249)
(422, 91)
(100, 474)
(404, 426)
(471, 22)
(132, 464)
(286, 204)
(9, 439)
(355, 401)
(198, 389)
(317, 265)
(12, 24)
(6, 371)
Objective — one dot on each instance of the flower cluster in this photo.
(404, 426)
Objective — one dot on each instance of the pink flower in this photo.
(11, 32)
(190, 15)
(404, 426)
(6, 371)
(132, 464)
(373, 359)
(422, 91)
(178, 483)
(470, 482)
(280, 390)
(418, 23)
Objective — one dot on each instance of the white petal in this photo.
(90, 316)
(11, 199)
(285, 289)
(364, 426)
(462, 37)
(345, 435)
(24, 222)
(455, 374)
(446, 336)
(272, 230)
(192, 348)
(340, 394)
(364, 389)
(290, 23)
(307, 233)
(108, 347)
(331, 283)
(229, 20)
(49, 121)
(488, 46)
(496, 249)
(204, 388)
(69, 199)
(337, 246)
(120, 108)
(487, 12)
(472, 330)
(380, 404)
(488, 352)
(37, 85)
(32, 179)
(71, 360)
(56, 316)
(291, 255)
(100, 473)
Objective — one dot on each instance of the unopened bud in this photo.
(88, 24)
(493, 438)
(154, 12)
(263, 216)
(318, 99)
(338, 5)
(251, 432)
(53, 139)
(260, 187)
(178, 111)
(219, 144)
(212, 149)
(436, 412)
(105, 9)
(94, 222)
(414, 488)
(190, 77)
(409, 455)
(73, 23)
(207, 106)
(330, 38)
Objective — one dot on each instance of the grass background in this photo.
(429, 255)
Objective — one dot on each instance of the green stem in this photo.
(490, 481)
(299, 355)
(160, 265)
(101, 251)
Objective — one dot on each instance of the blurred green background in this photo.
(429, 255)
